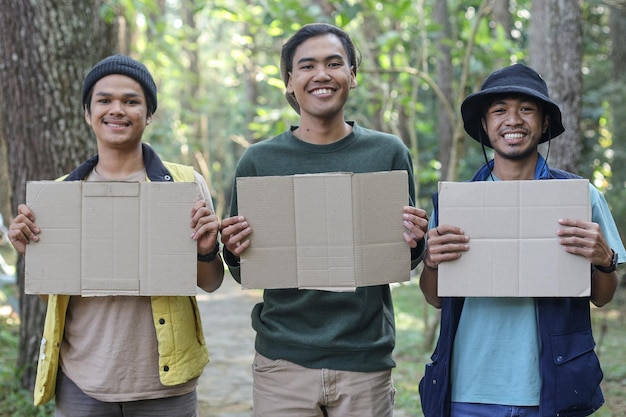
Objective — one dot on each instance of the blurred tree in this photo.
(614, 131)
(564, 77)
(46, 48)
(445, 76)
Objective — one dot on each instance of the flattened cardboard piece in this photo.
(514, 250)
(111, 238)
(331, 231)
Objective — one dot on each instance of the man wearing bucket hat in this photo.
(494, 355)
(125, 355)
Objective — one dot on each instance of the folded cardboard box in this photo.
(111, 238)
(514, 249)
(333, 231)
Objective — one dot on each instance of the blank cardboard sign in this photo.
(514, 250)
(333, 231)
(111, 238)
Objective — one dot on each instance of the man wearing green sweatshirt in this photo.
(322, 353)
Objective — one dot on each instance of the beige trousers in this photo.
(284, 389)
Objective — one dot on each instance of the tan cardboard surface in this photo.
(335, 231)
(514, 249)
(111, 238)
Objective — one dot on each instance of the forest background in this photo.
(216, 64)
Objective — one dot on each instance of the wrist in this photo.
(431, 267)
(210, 257)
(610, 268)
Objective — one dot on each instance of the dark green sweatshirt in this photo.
(351, 331)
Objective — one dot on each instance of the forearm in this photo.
(210, 274)
(428, 285)
(603, 287)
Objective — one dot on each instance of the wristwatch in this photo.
(210, 257)
(611, 268)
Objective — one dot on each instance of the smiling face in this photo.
(118, 113)
(515, 125)
(321, 78)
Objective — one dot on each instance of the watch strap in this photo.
(612, 267)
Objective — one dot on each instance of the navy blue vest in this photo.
(570, 369)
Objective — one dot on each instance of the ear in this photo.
(289, 86)
(546, 123)
(87, 116)
(149, 119)
(353, 83)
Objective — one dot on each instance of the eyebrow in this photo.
(328, 58)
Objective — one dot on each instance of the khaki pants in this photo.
(284, 389)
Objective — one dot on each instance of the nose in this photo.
(321, 74)
(513, 117)
(116, 107)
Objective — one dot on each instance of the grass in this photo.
(414, 319)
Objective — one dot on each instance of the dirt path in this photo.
(225, 387)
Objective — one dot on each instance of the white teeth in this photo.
(513, 135)
(114, 125)
(322, 91)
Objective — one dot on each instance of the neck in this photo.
(322, 132)
(119, 163)
(515, 169)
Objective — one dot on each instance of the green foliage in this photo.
(14, 401)
(216, 65)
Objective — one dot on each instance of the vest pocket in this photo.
(577, 372)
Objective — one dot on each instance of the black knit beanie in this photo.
(124, 65)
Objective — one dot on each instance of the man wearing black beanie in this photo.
(125, 356)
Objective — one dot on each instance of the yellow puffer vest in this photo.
(182, 349)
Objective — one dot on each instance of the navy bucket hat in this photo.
(516, 79)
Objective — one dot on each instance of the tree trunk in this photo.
(5, 183)
(538, 35)
(618, 96)
(46, 48)
(564, 78)
(445, 126)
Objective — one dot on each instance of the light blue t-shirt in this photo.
(495, 359)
